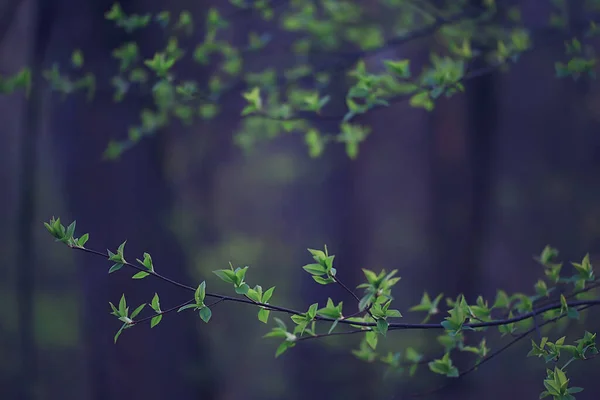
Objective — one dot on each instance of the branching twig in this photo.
(392, 326)
(347, 289)
(496, 353)
(177, 307)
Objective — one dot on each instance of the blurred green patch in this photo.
(57, 319)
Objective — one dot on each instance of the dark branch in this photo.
(392, 326)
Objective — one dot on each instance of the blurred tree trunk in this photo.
(462, 158)
(344, 227)
(462, 180)
(114, 201)
(42, 21)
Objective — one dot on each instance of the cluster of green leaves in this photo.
(556, 382)
(66, 235)
(332, 43)
(199, 296)
(122, 313)
(236, 277)
(511, 314)
(20, 80)
(582, 60)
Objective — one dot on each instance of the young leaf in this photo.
(205, 314)
(155, 320)
(283, 347)
(382, 326)
(155, 304)
(71, 229)
(333, 325)
(115, 312)
(242, 289)
(315, 269)
(323, 281)
(365, 301)
(123, 306)
(200, 293)
(137, 310)
(268, 294)
(119, 332)
(186, 307)
(140, 275)
(371, 339)
(83, 239)
(121, 248)
(115, 267)
(225, 275)
(263, 315)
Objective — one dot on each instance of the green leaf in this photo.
(393, 314)
(422, 100)
(502, 300)
(137, 310)
(115, 267)
(187, 306)
(200, 293)
(71, 229)
(323, 281)
(382, 326)
(242, 289)
(77, 58)
(318, 255)
(365, 301)
(119, 332)
(371, 339)
(115, 13)
(312, 310)
(253, 295)
(283, 347)
(123, 306)
(205, 314)
(253, 98)
(333, 325)
(155, 304)
(263, 315)
(226, 275)
(276, 333)
(240, 274)
(83, 239)
(140, 275)
(121, 248)
(400, 68)
(315, 269)
(268, 294)
(147, 262)
(155, 320)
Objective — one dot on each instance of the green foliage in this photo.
(295, 97)
(375, 318)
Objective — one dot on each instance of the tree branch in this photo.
(496, 353)
(391, 326)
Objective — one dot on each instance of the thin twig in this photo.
(177, 307)
(495, 353)
(347, 289)
(392, 326)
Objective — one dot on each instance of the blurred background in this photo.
(458, 200)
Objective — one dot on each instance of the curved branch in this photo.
(391, 326)
(495, 353)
